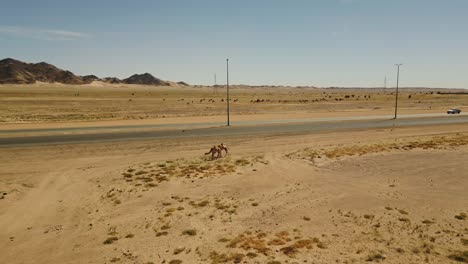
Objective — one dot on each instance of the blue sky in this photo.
(295, 42)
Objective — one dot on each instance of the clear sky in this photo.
(291, 42)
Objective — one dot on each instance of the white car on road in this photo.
(453, 111)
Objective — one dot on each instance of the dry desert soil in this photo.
(389, 195)
(378, 195)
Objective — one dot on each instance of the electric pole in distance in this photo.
(396, 94)
(215, 86)
(227, 90)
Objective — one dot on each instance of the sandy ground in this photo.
(54, 105)
(391, 196)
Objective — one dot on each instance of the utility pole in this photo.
(396, 94)
(215, 88)
(227, 90)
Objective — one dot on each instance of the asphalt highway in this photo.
(260, 128)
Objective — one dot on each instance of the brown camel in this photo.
(214, 151)
(221, 148)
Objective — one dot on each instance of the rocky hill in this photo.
(90, 78)
(146, 79)
(17, 72)
(113, 80)
(14, 71)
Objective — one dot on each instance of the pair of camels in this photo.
(217, 151)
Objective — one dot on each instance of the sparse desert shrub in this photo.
(464, 241)
(376, 256)
(276, 242)
(110, 240)
(400, 250)
(402, 212)
(189, 232)
(178, 250)
(127, 175)
(459, 256)
(165, 227)
(164, 233)
(427, 222)
(368, 216)
(404, 219)
(203, 203)
(289, 251)
(461, 216)
(242, 162)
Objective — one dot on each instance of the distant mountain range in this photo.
(17, 72)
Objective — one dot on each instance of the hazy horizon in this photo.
(337, 43)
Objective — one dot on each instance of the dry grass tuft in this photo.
(459, 256)
(276, 242)
(150, 175)
(249, 242)
(353, 150)
(225, 258)
(267, 244)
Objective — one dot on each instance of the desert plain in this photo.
(389, 195)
